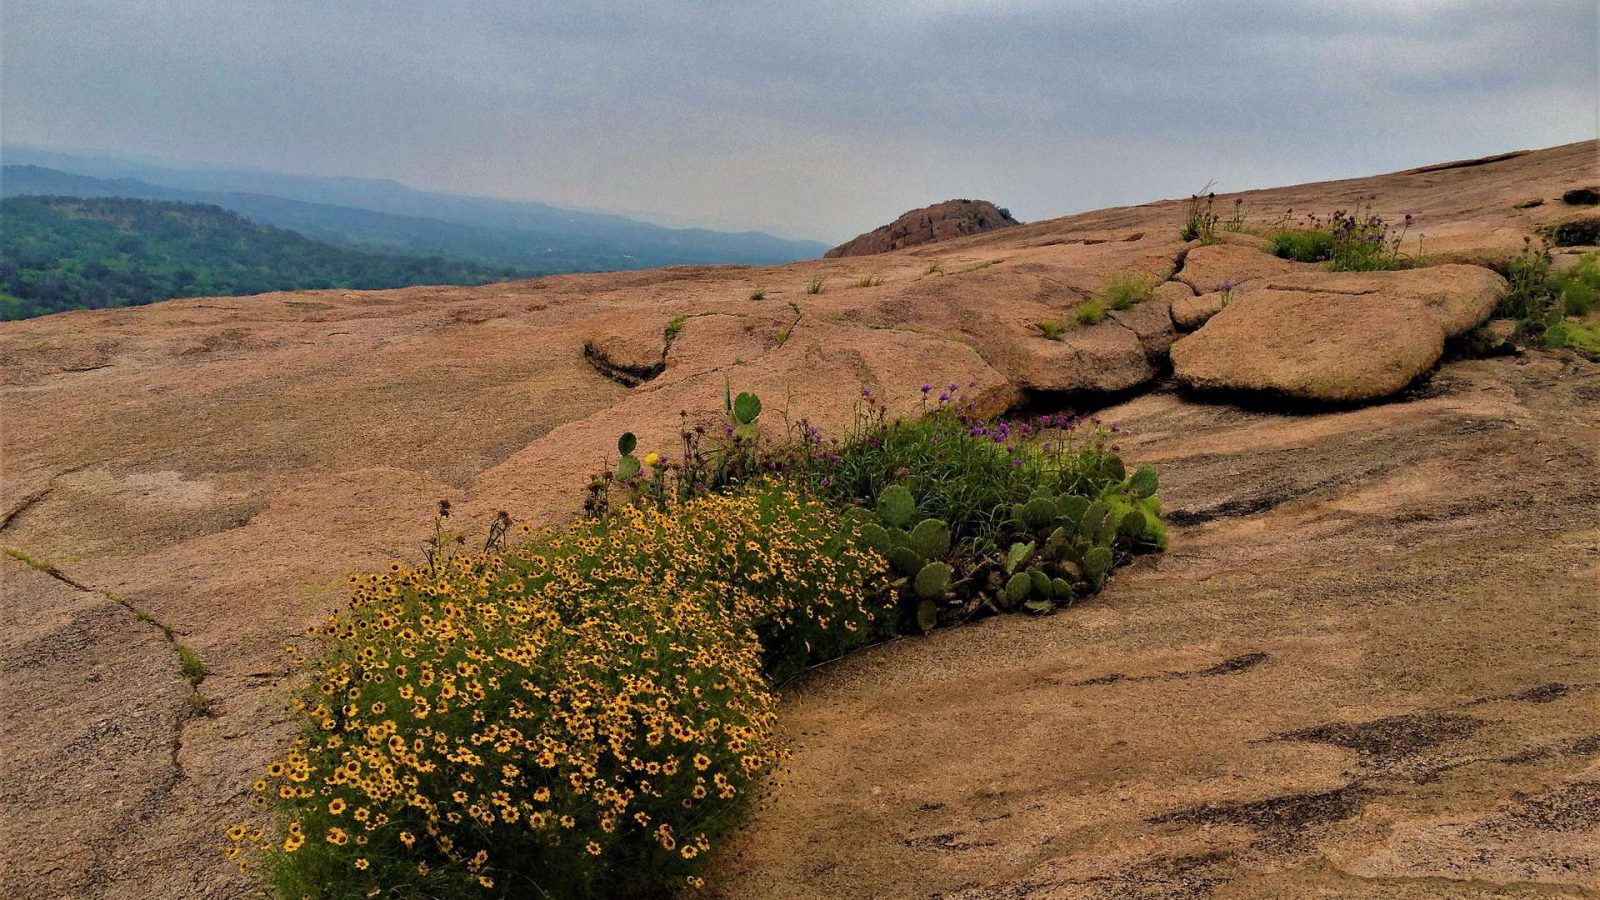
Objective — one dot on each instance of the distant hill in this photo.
(63, 253)
(391, 216)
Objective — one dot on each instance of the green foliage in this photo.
(1355, 240)
(64, 253)
(869, 281)
(1089, 312)
(1302, 244)
(189, 662)
(1548, 305)
(814, 286)
(758, 294)
(1053, 329)
(1124, 289)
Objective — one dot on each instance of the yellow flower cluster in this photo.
(581, 713)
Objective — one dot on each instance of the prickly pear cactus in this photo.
(896, 506)
(931, 538)
(932, 581)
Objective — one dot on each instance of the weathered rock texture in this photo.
(1336, 337)
(221, 464)
(939, 222)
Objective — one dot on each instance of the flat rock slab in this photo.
(1338, 337)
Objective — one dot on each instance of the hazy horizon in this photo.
(814, 123)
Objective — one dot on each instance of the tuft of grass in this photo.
(869, 281)
(814, 286)
(1053, 329)
(975, 267)
(189, 662)
(675, 326)
(29, 560)
(1090, 312)
(935, 268)
(1124, 289)
(1307, 245)
(758, 294)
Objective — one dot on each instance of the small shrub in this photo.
(758, 294)
(935, 268)
(1089, 312)
(814, 286)
(1124, 289)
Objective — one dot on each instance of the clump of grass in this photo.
(1089, 312)
(758, 294)
(869, 281)
(935, 268)
(814, 286)
(977, 267)
(1357, 240)
(1124, 289)
(189, 662)
(1053, 329)
(674, 326)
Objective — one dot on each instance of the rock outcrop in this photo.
(223, 464)
(1340, 337)
(939, 222)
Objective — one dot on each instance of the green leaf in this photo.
(1017, 590)
(626, 443)
(927, 616)
(1018, 555)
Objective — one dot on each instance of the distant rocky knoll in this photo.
(939, 222)
(1365, 669)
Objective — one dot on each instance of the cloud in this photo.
(815, 119)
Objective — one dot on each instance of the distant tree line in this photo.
(65, 253)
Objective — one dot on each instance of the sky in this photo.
(805, 118)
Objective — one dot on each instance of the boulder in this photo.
(1189, 313)
(1151, 322)
(941, 221)
(1336, 337)
(1211, 267)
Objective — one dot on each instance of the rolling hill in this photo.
(392, 217)
(62, 253)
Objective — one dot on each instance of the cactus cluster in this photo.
(1065, 543)
(913, 551)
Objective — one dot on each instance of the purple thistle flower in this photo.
(927, 388)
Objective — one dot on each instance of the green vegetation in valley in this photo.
(67, 253)
(588, 711)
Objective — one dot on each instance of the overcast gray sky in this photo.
(808, 119)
